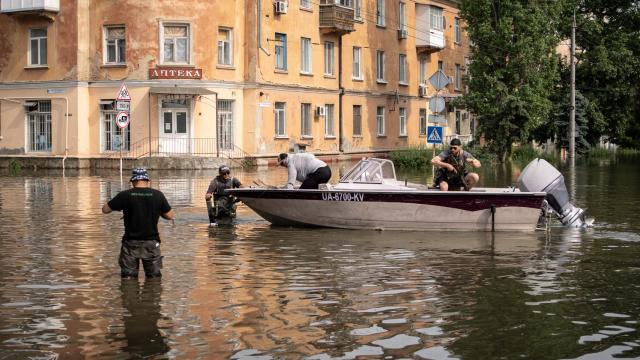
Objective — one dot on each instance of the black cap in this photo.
(455, 142)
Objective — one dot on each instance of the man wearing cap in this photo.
(142, 207)
(306, 168)
(452, 174)
(224, 206)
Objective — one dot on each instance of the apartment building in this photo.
(248, 77)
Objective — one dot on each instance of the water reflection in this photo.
(142, 302)
(252, 291)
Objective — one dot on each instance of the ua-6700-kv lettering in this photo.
(343, 196)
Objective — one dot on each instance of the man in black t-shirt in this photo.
(142, 207)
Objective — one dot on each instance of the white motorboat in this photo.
(370, 197)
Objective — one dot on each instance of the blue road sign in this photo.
(434, 134)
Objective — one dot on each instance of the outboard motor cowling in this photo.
(540, 176)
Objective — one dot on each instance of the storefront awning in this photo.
(175, 90)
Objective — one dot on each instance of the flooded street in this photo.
(259, 292)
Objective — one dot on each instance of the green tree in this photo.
(608, 65)
(513, 67)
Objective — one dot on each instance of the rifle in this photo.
(459, 167)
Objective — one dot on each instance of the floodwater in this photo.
(258, 292)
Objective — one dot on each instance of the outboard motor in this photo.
(540, 176)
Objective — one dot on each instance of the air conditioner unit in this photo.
(319, 111)
(281, 7)
(402, 33)
(422, 90)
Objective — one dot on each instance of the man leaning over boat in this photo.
(452, 174)
(306, 168)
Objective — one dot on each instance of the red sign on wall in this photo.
(175, 73)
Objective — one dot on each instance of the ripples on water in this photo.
(257, 292)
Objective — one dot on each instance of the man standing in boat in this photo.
(452, 174)
(306, 168)
(223, 206)
(142, 207)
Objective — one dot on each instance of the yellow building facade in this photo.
(226, 78)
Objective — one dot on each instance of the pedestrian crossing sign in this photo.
(434, 134)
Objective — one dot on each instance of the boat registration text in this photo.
(343, 197)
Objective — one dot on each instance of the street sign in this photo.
(122, 119)
(123, 106)
(264, 104)
(436, 104)
(437, 119)
(434, 135)
(439, 80)
(123, 93)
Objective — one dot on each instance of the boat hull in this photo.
(401, 210)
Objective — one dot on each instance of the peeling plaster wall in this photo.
(62, 45)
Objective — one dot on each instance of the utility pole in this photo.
(572, 114)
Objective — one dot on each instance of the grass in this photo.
(14, 167)
(420, 156)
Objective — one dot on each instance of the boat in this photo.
(369, 196)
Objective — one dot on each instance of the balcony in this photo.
(430, 41)
(44, 8)
(336, 19)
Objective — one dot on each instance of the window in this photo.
(380, 120)
(281, 122)
(38, 47)
(380, 12)
(305, 118)
(357, 63)
(423, 71)
(345, 3)
(305, 4)
(281, 51)
(114, 45)
(176, 45)
(39, 125)
(113, 137)
(422, 119)
(458, 119)
(402, 113)
(402, 70)
(436, 18)
(458, 33)
(305, 55)
(357, 9)
(225, 123)
(380, 66)
(458, 78)
(440, 65)
(357, 120)
(328, 120)
(225, 47)
(402, 14)
(328, 58)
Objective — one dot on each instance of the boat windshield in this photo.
(370, 171)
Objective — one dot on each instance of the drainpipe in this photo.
(340, 94)
(217, 128)
(259, 18)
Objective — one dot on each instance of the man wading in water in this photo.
(142, 207)
(451, 174)
(223, 206)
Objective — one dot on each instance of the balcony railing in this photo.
(184, 147)
(430, 40)
(20, 6)
(336, 18)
